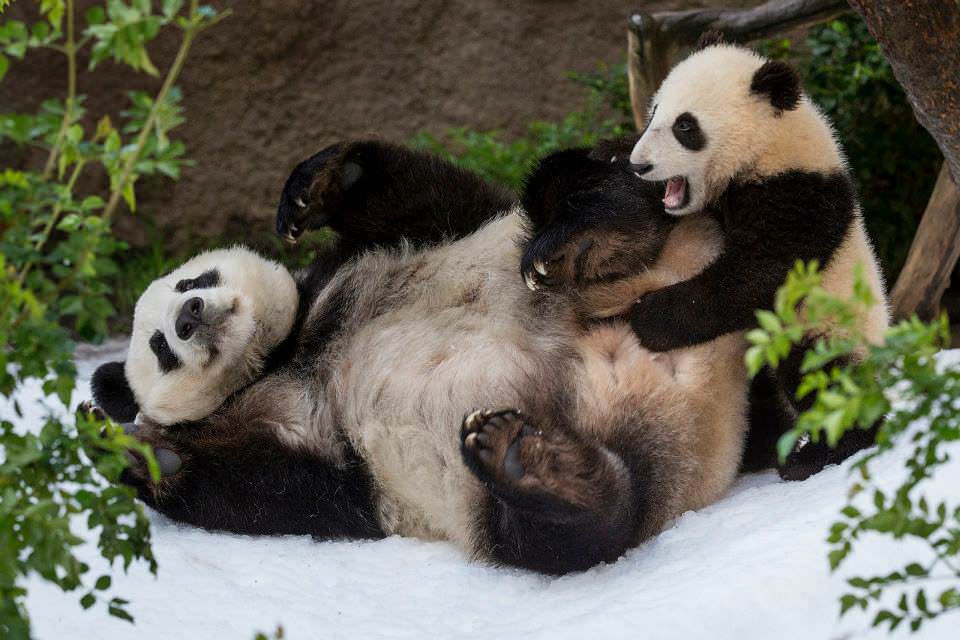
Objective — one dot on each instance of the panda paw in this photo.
(490, 443)
(314, 191)
(553, 259)
(170, 461)
(551, 472)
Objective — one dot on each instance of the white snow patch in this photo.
(751, 566)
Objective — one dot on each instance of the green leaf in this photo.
(4, 66)
(103, 583)
(128, 195)
(88, 600)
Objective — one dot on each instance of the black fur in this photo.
(205, 280)
(687, 131)
(770, 416)
(573, 197)
(768, 226)
(778, 82)
(166, 358)
(774, 408)
(392, 193)
(255, 485)
(112, 392)
(556, 502)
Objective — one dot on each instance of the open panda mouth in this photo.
(676, 196)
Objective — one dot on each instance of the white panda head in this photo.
(200, 333)
(726, 113)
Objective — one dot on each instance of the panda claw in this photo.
(540, 267)
(300, 203)
(471, 440)
(531, 282)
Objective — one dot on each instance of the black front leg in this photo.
(375, 194)
(253, 485)
(721, 299)
(769, 226)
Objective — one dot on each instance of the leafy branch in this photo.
(56, 261)
(902, 382)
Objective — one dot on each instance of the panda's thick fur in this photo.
(736, 139)
(423, 389)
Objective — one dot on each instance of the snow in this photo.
(751, 566)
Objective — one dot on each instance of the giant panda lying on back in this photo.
(411, 383)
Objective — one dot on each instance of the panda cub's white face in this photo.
(202, 332)
(711, 122)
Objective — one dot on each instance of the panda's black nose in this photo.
(189, 318)
(641, 169)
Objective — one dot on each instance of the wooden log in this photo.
(932, 256)
(655, 41)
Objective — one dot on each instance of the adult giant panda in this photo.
(422, 388)
(734, 137)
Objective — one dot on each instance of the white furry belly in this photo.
(403, 392)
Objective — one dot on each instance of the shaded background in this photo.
(280, 79)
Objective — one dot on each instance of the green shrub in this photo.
(57, 260)
(506, 161)
(894, 159)
(925, 417)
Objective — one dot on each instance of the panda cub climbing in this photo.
(732, 134)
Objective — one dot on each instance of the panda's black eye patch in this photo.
(687, 131)
(166, 358)
(205, 280)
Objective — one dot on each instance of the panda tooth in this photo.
(540, 267)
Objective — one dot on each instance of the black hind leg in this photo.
(812, 457)
(558, 503)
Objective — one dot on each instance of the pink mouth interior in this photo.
(676, 189)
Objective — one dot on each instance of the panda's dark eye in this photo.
(687, 131)
(166, 358)
(205, 280)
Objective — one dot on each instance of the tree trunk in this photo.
(921, 40)
(932, 256)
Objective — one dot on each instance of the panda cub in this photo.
(414, 385)
(734, 137)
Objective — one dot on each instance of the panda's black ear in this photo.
(779, 83)
(709, 38)
(112, 392)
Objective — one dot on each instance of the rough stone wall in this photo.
(282, 78)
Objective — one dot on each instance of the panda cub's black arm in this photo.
(768, 226)
(374, 193)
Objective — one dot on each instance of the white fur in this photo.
(259, 298)
(407, 378)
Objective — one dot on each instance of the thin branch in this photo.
(654, 41)
(190, 32)
(70, 50)
(741, 25)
